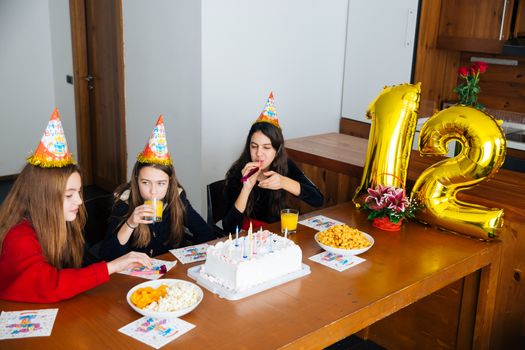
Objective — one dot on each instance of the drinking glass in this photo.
(157, 208)
(289, 218)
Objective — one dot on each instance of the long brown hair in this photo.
(38, 196)
(142, 235)
(278, 199)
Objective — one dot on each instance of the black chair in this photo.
(216, 205)
(98, 211)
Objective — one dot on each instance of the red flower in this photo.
(482, 66)
(463, 71)
(478, 68)
(468, 90)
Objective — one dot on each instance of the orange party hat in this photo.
(156, 150)
(269, 115)
(52, 152)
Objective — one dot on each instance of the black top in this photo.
(112, 249)
(261, 209)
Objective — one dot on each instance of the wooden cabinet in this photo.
(475, 25)
(519, 19)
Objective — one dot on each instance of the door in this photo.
(99, 90)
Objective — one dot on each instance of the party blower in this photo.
(250, 173)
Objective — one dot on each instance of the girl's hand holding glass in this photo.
(140, 214)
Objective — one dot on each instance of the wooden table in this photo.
(334, 162)
(308, 313)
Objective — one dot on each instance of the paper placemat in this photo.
(336, 261)
(28, 323)
(190, 254)
(153, 273)
(156, 332)
(320, 222)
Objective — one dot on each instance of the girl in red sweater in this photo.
(41, 222)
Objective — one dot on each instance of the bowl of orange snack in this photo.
(165, 298)
(344, 240)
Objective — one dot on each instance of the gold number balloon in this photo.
(482, 154)
(394, 119)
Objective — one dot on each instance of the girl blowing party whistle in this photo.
(151, 210)
(41, 223)
(259, 182)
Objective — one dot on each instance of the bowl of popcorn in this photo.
(344, 240)
(165, 298)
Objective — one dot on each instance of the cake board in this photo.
(226, 293)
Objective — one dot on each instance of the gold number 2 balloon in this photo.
(482, 154)
(394, 118)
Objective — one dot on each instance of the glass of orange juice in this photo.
(289, 218)
(157, 208)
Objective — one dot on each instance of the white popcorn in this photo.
(179, 296)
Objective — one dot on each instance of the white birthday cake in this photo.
(249, 261)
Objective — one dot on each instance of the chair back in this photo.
(216, 196)
(98, 211)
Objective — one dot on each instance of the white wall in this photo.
(62, 57)
(27, 95)
(295, 48)
(244, 49)
(207, 66)
(162, 50)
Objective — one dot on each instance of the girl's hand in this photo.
(128, 261)
(139, 214)
(273, 181)
(250, 182)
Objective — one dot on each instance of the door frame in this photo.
(77, 9)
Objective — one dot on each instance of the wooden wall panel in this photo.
(474, 18)
(508, 330)
(336, 187)
(431, 323)
(502, 87)
(435, 69)
(354, 128)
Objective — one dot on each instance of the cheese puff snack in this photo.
(142, 297)
(343, 237)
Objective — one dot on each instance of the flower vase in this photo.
(385, 224)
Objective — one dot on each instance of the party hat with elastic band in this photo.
(52, 152)
(269, 115)
(156, 150)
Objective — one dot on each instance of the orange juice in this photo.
(289, 218)
(158, 206)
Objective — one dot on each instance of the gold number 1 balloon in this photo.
(394, 119)
(482, 154)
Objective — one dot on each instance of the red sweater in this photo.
(26, 275)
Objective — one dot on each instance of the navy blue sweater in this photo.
(112, 249)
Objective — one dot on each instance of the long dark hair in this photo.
(142, 235)
(38, 196)
(278, 199)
